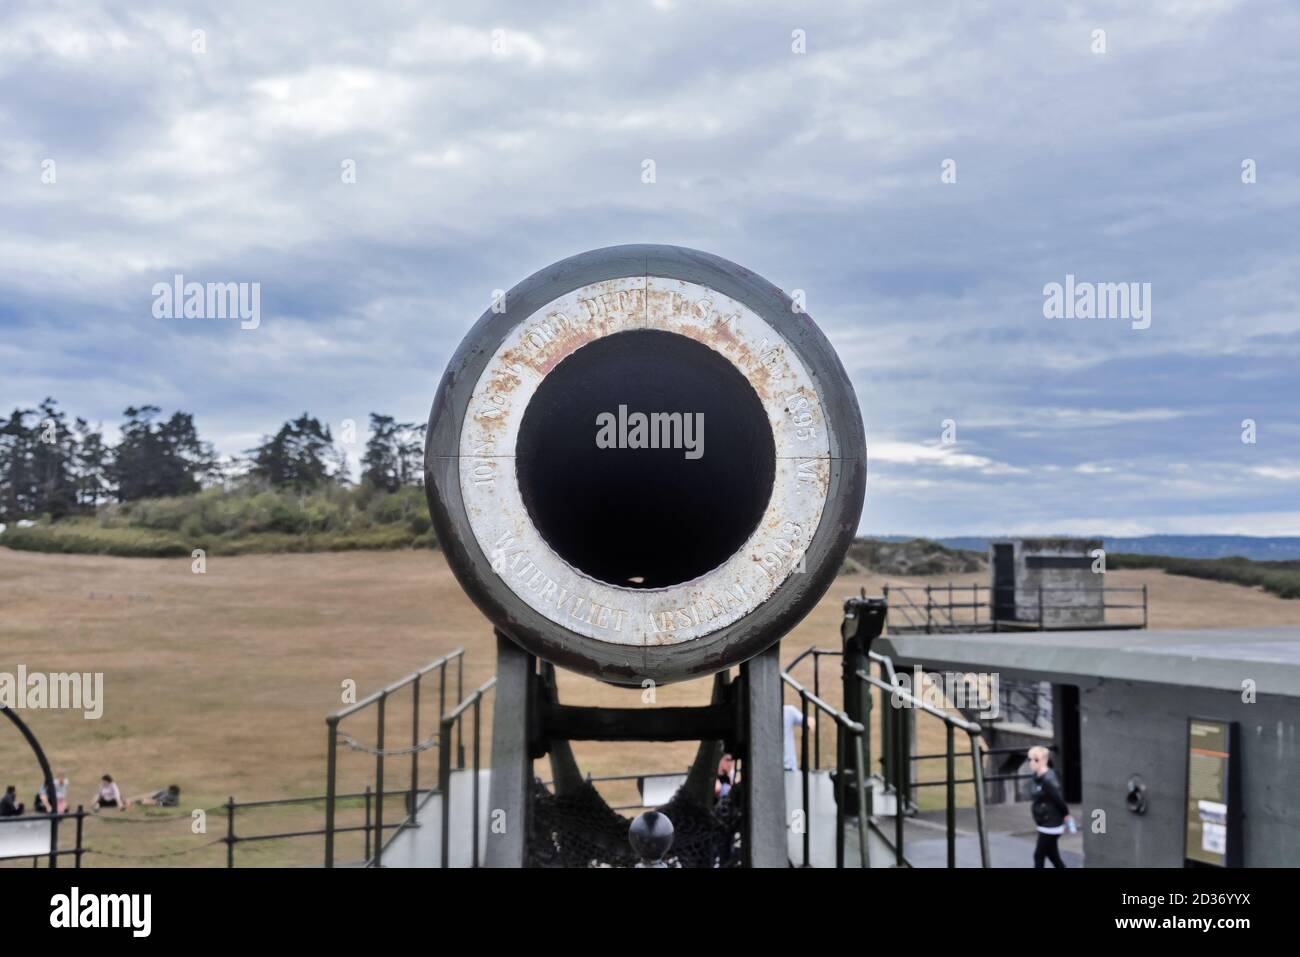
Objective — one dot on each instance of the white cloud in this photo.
(1102, 418)
(936, 454)
(1281, 473)
(476, 166)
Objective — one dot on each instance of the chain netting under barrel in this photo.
(581, 830)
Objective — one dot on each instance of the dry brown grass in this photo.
(220, 682)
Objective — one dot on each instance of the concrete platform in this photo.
(1011, 838)
(1011, 833)
(421, 844)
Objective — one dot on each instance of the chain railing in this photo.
(380, 750)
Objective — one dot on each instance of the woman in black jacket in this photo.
(1049, 809)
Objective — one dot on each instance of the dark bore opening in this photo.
(643, 517)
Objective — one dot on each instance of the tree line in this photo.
(52, 466)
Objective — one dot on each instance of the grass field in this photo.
(220, 682)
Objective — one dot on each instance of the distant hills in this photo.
(1282, 548)
(914, 556)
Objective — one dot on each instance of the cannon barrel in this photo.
(645, 462)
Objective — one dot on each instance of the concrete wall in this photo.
(1132, 728)
(1071, 595)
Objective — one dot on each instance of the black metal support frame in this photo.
(528, 725)
(48, 776)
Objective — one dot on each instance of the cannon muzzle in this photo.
(645, 462)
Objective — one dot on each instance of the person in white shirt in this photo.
(792, 718)
(108, 794)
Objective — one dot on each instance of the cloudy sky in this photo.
(490, 139)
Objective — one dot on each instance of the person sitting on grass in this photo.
(9, 806)
(60, 793)
(170, 796)
(108, 795)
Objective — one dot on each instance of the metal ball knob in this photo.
(651, 835)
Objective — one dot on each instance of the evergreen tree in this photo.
(155, 460)
(300, 456)
(90, 466)
(394, 453)
(17, 470)
(53, 455)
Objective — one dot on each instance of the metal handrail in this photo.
(397, 685)
(970, 727)
(379, 700)
(450, 721)
(952, 724)
(844, 725)
(231, 806)
(946, 620)
(929, 609)
(817, 654)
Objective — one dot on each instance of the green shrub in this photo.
(240, 522)
(1279, 578)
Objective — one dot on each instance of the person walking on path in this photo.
(1050, 811)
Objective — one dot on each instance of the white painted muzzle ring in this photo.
(531, 568)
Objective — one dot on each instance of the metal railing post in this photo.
(444, 785)
(368, 820)
(899, 800)
(860, 765)
(978, 775)
(331, 770)
(1040, 607)
(442, 695)
(886, 736)
(952, 796)
(81, 816)
(474, 805)
(379, 783)
(869, 807)
(230, 832)
(415, 741)
(460, 696)
(929, 617)
(807, 810)
(1144, 606)
(817, 690)
(839, 786)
